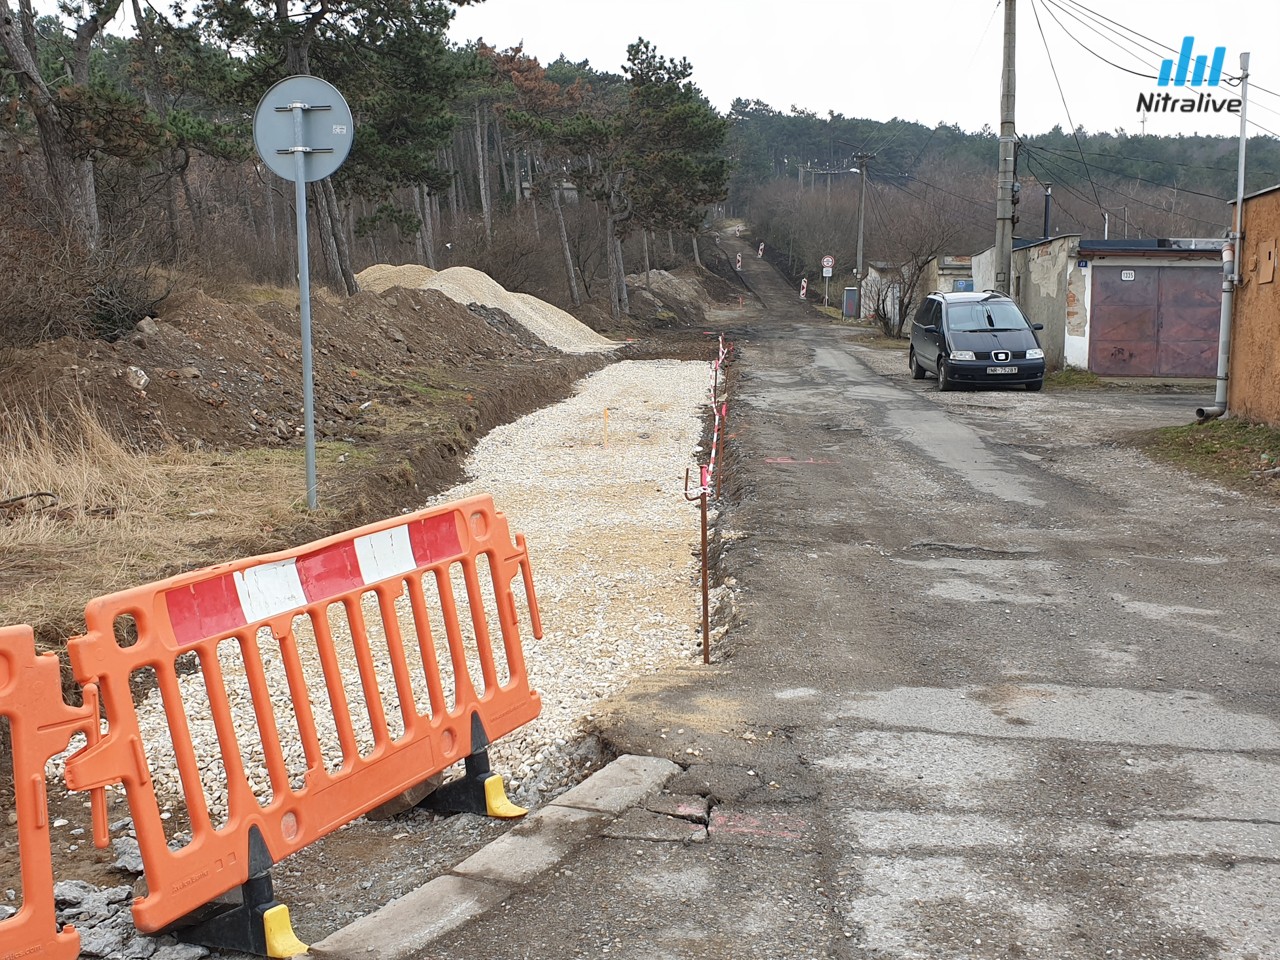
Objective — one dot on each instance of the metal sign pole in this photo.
(310, 143)
(304, 297)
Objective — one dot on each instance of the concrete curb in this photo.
(404, 926)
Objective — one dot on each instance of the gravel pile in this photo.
(381, 277)
(466, 286)
(550, 324)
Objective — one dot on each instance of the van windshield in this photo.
(983, 315)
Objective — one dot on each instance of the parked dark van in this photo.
(975, 338)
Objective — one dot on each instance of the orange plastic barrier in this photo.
(397, 564)
(41, 726)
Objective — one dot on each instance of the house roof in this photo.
(1257, 193)
(1207, 247)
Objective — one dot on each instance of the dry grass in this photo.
(117, 518)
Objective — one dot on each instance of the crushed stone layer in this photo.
(611, 539)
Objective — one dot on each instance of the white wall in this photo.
(984, 270)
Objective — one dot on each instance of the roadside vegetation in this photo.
(83, 514)
(1073, 378)
(1235, 453)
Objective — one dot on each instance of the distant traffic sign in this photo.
(828, 261)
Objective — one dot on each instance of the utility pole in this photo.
(861, 159)
(1005, 179)
(1048, 202)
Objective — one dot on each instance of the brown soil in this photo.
(411, 379)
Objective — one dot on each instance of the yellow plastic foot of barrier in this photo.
(496, 802)
(281, 940)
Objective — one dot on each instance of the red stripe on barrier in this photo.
(204, 609)
(435, 538)
(330, 571)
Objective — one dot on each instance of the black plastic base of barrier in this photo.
(466, 794)
(258, 924)
(235, 926)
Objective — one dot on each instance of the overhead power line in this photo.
(1118, 173)
(1090, 50)
(1046, 163)
(1063, 95)
(1233, 79)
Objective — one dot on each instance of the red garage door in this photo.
(1161, 323)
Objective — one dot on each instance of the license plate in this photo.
(1002, 369)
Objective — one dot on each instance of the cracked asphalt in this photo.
(997, 686)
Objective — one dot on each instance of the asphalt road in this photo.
(997, 686)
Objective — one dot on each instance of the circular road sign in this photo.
(327, 127)
(828, 261)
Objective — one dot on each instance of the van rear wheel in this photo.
(917, 371)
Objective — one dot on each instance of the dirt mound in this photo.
(381, 277)
(665, 299)
(209, 371)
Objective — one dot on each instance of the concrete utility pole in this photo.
(861, 159)
(1004, 182)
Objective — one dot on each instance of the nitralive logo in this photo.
(1189, 71)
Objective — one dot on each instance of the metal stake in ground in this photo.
(303, 130)
(701, 498)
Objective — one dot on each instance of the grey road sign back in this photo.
(327, 127)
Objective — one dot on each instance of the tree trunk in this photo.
(334, 223)
(564, 245)
(671, 245)
(615, 304)
(193, 205)
(433, 221)
(452, 166)
(419, 241)
(696, 259)
(71, 179)
(271, 221)
(645, 235)
(482, 175)
(500, 149)
(622, 276)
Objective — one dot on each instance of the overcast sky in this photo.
(929, 61)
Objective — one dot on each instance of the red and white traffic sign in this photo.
(739, 263)
(760, 252)
(804, 287)
(828, 261)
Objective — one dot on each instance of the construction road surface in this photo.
(998, 686)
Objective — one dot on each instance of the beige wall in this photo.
(1253, 390)
(1043, 287)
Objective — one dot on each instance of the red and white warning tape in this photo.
(224, 603)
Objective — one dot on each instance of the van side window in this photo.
(922, 315)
